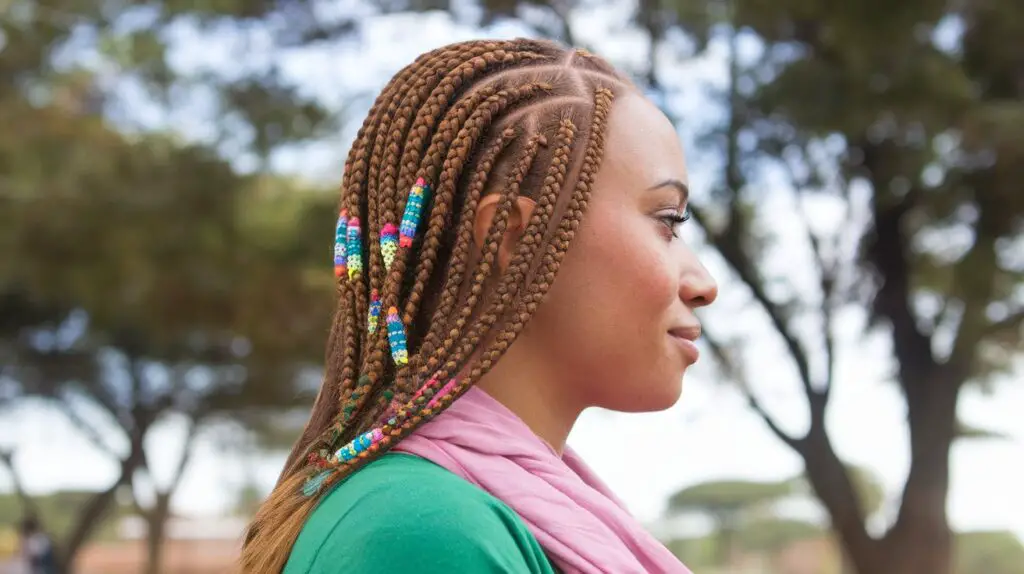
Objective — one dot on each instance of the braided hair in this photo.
(423, 317)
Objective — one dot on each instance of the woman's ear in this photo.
(518, 217)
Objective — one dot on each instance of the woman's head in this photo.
(506, 145)
(617, 326)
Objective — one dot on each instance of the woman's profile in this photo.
(507, 255)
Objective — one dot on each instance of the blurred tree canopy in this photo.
(147, 276)
(746, 516)
(729, 504)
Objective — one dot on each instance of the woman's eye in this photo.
(672, 220)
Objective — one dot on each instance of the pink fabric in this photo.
(580, 524)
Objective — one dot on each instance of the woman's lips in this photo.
(685, 339)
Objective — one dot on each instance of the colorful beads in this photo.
(396, 338)
(388, 244)
(314, 483)
(354, 248)
(374, 311)
(419, 195)
(446, 389)
(339, 244)
(359, 444)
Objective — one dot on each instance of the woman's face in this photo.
(618, 325)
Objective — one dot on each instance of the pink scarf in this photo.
(580, 524)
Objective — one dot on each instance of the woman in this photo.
(458, 364)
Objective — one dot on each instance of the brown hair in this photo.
(520, 117)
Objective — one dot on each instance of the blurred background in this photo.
(168, 176)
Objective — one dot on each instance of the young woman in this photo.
(458, 363)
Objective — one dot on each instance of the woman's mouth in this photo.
(685, 339)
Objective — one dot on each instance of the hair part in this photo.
(519, 118)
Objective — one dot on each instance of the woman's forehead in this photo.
(642, 143)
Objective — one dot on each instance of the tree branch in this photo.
(28, 506)
(727, 244)
(976, 290)
(562, 13)
(1012, 322)
(827, 275)
(728, 367)
(90, 433)
(889, 256)
(186, 454)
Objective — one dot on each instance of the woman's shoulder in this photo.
(405, 514)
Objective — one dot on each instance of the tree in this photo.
(150, 278)
(729, 504)
(989, 553)
(171, 317)
(915, 140)
(867, 108)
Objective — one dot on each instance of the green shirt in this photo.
(402, 514)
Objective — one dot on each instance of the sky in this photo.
(711, 434)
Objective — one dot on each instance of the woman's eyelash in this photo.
(679, 218)
(674, 220)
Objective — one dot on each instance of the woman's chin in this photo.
(654, 398)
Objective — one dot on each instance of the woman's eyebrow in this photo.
(681, 187)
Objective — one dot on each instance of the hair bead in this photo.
(315, 482)
(419, 195)
(358, 445)
(339, 244)
(436, 399)
(396, 338)
(354, 248)
(374, 316)
(428, 122)
(388, 244)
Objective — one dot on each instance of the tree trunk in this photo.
(92, 515)
(156, 522)
(922, 522)
(920, 542)
(835, 490)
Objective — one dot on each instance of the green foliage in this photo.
(770, 535)
(149, 276)
(56, 511)
(728, 497)
(989, 553)
(181, 263)
(698, 553)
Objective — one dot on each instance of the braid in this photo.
(376, 128)
(463, 121)
(496, 230)
(461, 148)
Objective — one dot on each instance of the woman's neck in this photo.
(524, 387)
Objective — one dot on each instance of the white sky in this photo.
(710, 435)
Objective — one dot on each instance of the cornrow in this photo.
(459, 253)
(423, 309)
(496, 230)
(424, 69)
(445, 194)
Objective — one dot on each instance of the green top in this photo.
(402, 514)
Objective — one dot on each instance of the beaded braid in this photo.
(424, 404)
(459, 254)
(428, 71)
(526, 250)
(481, 59)
(457, 261)
(552, 259)
(463, 145)
(414, 326)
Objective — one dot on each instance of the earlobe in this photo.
(518, 218)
